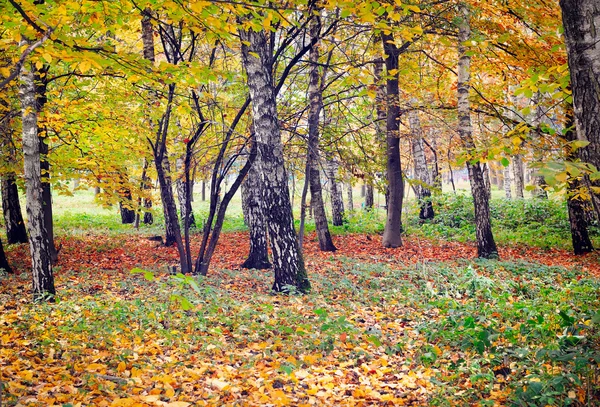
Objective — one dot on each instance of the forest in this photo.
(310, 202)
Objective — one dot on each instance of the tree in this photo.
(315, 96)
(580, 20)
(486, 246)
(43, 279)
(393, 227)
(422, 175)
(288, 264)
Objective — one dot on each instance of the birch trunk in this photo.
(253, 207)
(43, 279)
(393, 227)
(335, 190)
(288, 264)
(507, 182)
(486, 246)
(182, 193)
(422, 175)
(350, 197)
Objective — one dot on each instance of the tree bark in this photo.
(517, 167)
(315, 96)
(288, 264)
(43, 279)
(182, 193)
(486, 246)
(4, 266)
(335, 192)
(11, 207)
(507, 182)
(350, 197)
(576, 204)
(422, 175)
(369, 196)
(393, 227)
(253, 207)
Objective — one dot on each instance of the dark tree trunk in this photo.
(576, 205)
(203, 190)
(15, 227)
(315, 96)
(288, 264)
(369, 196)
(486, 246)
(252, 204)
(127, 214)
(43, 279)
(47, 198)
(4, 266)
(392, 235)
(172, 229)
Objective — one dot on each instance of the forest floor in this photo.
(424, 324)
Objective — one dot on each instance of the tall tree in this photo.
(315, 96)
(393, 226)
(43, 279)
(335, 191)
(13, 218)
(581, 19)
(288, 264)
(486, 246)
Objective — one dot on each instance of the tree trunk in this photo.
(182, 193)
(315, 96)
(288, 264)
(252, 205)
(486, 180)
(576, 204)
(393, 227)
(203, 190)
(423, 178)
(350, 197)
(43, 279)
(581, 21)
(369, 196)
(507, 182)
(4, 266)
(335, 191)
(517, 166)
(486, 246)
(173, 231)
(11, 207)
(537, 180)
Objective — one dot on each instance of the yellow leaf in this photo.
(218, 384)
(85, 66)
(39, 64)
(122, 366)
(95, 367)
(47, 57)
(178, 404)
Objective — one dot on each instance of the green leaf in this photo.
(505, 162)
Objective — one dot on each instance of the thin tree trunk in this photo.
(487, 181)
(315, 105)
(335, 191)
(537, 180)
(252, 205)
(486, 246)
(304, 205)
(11, 207)
(393, 227)
(423, 178)
(369, 196)
(349, 194)
(507, 182)
(517, 166)
(576, 205)
(288, 264)
(43, 279)
(182, 196)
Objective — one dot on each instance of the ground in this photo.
(424, 324)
